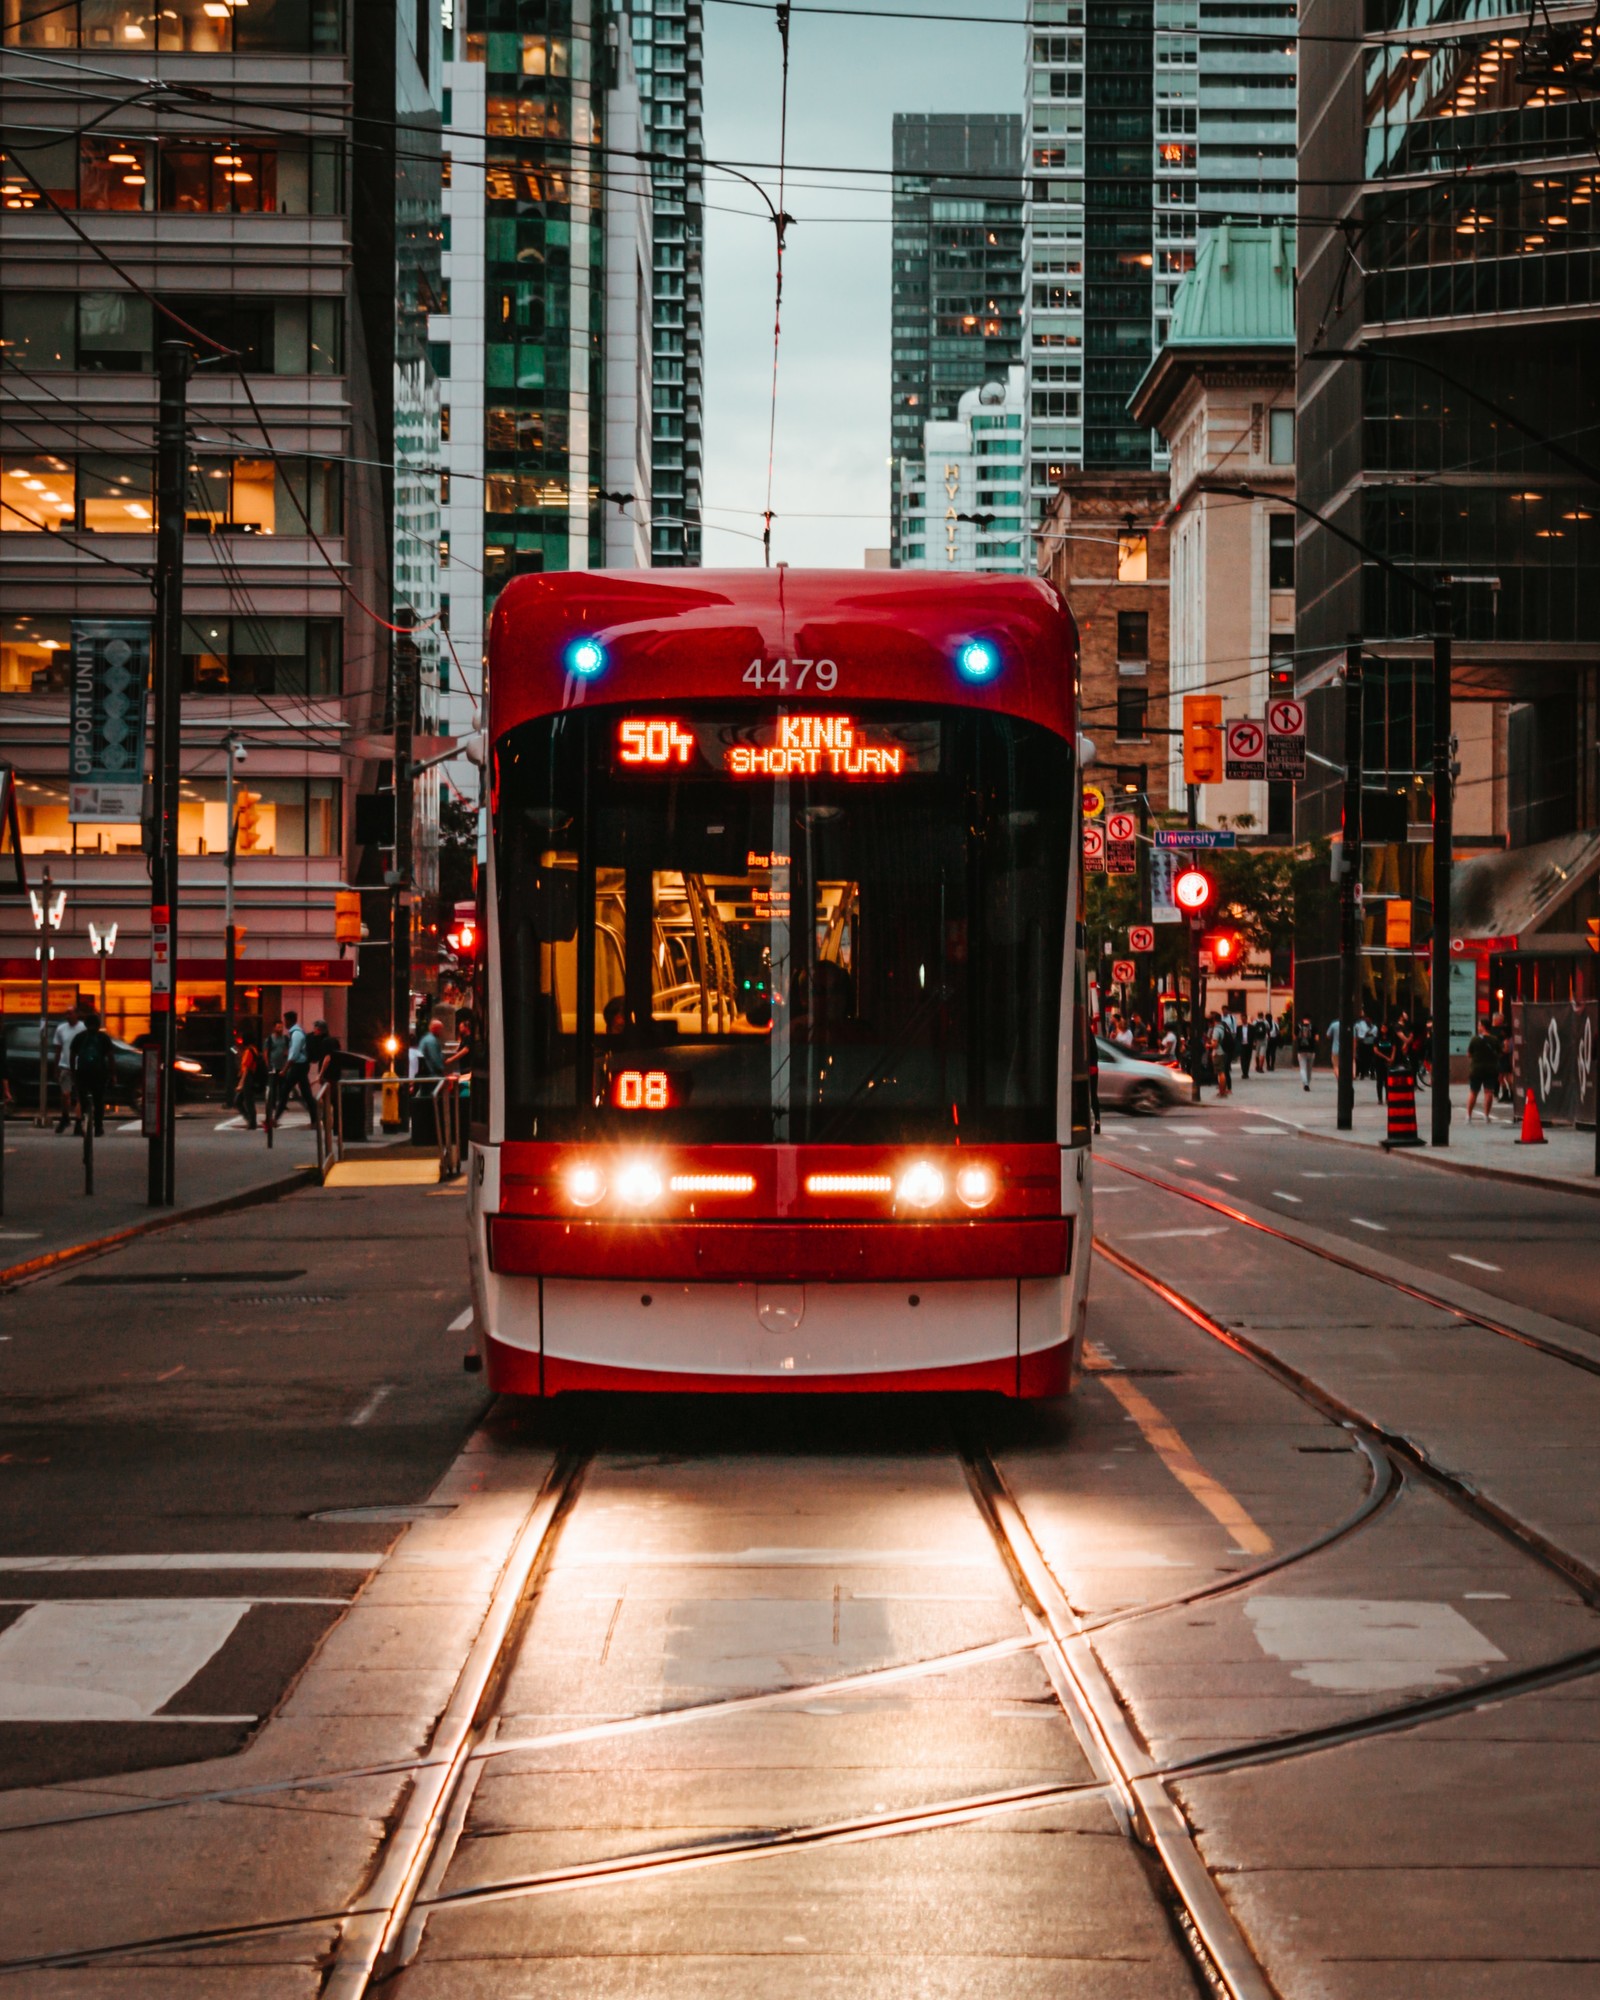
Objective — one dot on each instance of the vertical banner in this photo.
(105, 754)
(1554, 1057)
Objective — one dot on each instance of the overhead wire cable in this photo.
(781, 221)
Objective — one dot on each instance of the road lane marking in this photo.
(119, 1660)
(225, 1559)
(1179, 1161)
(1282, 1194)
(1361, 1222)
(1477, 1263)
(1266, 1131)
(1161, 1235)
(375, 1402)
(1221, 1176)
(1163, 1439)
(461, 1322)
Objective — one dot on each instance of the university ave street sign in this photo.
(1194, 836)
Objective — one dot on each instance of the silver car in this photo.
(1129, 1083)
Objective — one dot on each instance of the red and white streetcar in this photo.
(781, 981)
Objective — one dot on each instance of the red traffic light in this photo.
(462, 936)
(1193, 890)
(1224, 948)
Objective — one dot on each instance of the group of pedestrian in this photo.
(293, 1064)
(83, 1059)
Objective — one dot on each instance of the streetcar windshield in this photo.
(797, 926)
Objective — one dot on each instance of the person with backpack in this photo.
(1385, 1053)
(249, 1071)
(1483, 1069)
(93, 1059)
(1305, 1051)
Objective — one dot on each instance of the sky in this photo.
(846, 81)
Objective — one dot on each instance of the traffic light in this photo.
(1193, 890)
(347, 916)
(1202, 739)
(1594, 933)
(246, 820)
(1225, 949)
(462, 936)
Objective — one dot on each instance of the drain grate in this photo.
(288, 1299)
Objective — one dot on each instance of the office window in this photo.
(1133, 635)
(38, 331)
(37, 493)
(197, 27)
(116, 332)
(1133, 714)
(34, 653)
(1133, 559)
(267, 656)
(116, 495)
(1280, 551)
(1280, 437)
(254, 496)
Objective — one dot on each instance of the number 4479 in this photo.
(820, 674)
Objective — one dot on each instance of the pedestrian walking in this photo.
(92, 1061)
(277, 1054)
(66, 1034)
(1385, 1052)
(1305, 1049)
(249, 1072)
(1274, 1037)
(1335, 1027)
(1483, 1069)
(293, 1081)
(1222, 1052)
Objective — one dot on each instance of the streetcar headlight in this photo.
(639, 1184)
(921, 1185)
(976, 1185)
(585, 1186)
(586, 658)
(978, 660)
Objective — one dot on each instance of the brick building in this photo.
(1101, 545)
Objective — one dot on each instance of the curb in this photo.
(51, 1260)
(1588, 1190)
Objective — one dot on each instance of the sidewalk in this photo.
(47, 1211)
(1479, 1147)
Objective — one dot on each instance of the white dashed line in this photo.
(1477, 1263)
(1282, 1194)
(1160, 1235)
(370, 1408)
(1361, 1222)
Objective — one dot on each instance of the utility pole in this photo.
(49, 904)
(1146, 960)
(1350, 887)
(230, 939)
(406, 672)
(172, 455)
(1197, 1033)
(1443, 841)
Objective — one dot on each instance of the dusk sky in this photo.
(847, 79)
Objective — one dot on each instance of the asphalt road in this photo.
(1534, 1246)
(186, 1425)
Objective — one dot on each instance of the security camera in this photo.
(239, 753)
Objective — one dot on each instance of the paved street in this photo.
(780, 1699)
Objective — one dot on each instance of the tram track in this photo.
(381, 1931)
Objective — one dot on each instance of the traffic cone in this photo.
(1532, 1133)
(1402, 1110)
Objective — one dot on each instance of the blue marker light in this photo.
(586, 658)
(977, 660)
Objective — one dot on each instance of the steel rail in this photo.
(371, 1932)
(1553, 1349)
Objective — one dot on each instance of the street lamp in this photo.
(48, 910)
(102, 943)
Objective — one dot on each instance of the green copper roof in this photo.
(1241, 290)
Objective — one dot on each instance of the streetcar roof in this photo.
(683, 634)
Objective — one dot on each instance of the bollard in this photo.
(1402, 1109)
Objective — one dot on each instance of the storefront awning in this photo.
(1512, 891)
(200, 971)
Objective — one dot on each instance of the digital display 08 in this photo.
(643, 1090)
(778, 746)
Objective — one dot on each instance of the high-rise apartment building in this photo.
(1149, 121)
(957, 250)
(276, 206)
(544, 338)
(667, 55)
(1460, 445)
(963, 504)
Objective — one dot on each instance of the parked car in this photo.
(1130, 1083)
(21, 1044)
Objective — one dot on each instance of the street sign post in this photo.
(1122, 853)
(1246, 750)
(1141, 937)
(1194, 836)
(1286, 738)
(1094, 851)
(1123, 972)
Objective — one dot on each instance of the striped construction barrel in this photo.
(1402, 1109)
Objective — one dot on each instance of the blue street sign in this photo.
(1200, 836)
